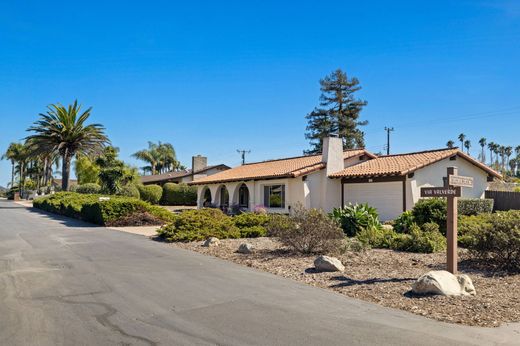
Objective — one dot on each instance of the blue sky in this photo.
(213, 77)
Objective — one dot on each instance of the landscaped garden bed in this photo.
(385, 277)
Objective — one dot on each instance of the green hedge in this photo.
(91, 208)
(130, 190)
(150, 193)
(475, 206)
(179, 194)
(89, 188)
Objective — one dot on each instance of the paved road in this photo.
(63, 282)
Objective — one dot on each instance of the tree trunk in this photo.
(12, 174)
(65, 171)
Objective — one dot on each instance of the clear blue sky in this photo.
(213, 77)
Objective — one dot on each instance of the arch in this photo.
(243, 196)
(205, 197)
(222, 197)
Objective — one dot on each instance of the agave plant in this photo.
(353, 218)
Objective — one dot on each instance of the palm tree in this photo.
(462, 138)
(62, 130)
(496, 150)
(467, 145)
(517, 151)
(508, 151)
(483, 143)
(450, 144)
(151, 156)
(11, 154)
(502, 152)
(491, 147)
(513, 164)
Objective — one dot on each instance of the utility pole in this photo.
(243, 155)
(388, 130)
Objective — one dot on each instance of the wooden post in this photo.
(452, 226)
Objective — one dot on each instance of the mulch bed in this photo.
(385, 277)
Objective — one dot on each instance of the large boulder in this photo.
(444, 283)
(245, 248)
(328, 264)
(210, 242)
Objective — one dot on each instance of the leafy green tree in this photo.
(450, 144)
(87, 171)
(337, 114)
(114, 174)
(63, 130)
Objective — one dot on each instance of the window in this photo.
(274, 196)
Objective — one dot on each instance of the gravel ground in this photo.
(385, 277)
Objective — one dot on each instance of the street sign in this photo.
(458, 180)
(440, 192)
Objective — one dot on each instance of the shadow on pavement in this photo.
(67, 221)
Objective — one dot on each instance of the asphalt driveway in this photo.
(63, 282)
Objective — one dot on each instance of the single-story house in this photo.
(199, 169)
(389, 183)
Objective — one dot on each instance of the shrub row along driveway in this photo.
(64, 282)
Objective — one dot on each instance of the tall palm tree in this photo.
(483, 143)
(502, 152)
(462, 138)
(450, 144)
(517, 151)
(11, 155)
(513, 165)
(508, 151)
(467, 145)
(151, 156)
(63, 130)
(491, 147)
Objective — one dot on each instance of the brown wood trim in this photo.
(404, 195)
(373, 179)
(342, 195)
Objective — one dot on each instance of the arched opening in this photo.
(206, 197)
(224, 197)
(243, 196)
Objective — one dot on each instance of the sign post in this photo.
(451, 190)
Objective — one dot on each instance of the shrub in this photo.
(494, 239)
(403, 223)
(355, 218)
(425, 240)
(253, 232)
(245, 220)
(192, 225)
(475, 206)
(89, 189)
(431, 210)
(179, 194)
(150, 193)
(130, 190)
(102, 212)
(307, 231)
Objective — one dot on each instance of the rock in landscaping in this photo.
(328, 264)
(245, 248)
(388, 227)
(444, 283)
(210, 242)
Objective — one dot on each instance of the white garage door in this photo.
(387, 198)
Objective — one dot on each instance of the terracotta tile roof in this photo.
(282, 168)
(157, 178)
(402, 164)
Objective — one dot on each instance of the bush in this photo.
(150, 193)
(130, 190)
(179, 194)
(403, 223)
(494, 239)
(88, 189)
(307, 231)
(193, 225)
(425, 240)
(430, 210)
(253, 232)
(102, 212)
(251, 225)
(355, 218)
(475, 206)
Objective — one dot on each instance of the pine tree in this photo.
(338, 113)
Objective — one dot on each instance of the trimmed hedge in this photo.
(150, 193)
(179, 194)
(192, 225)
(475, 206)
(88, 188)
(102, 212)
(130, 190)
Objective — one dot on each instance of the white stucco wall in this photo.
(432, 175)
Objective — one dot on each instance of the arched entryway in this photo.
(206, 197)
(223, 197)
(243, 197)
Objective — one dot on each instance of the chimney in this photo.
(198, 163)
(332, 154)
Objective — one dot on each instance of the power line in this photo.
(243, 155)
(388, 130)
